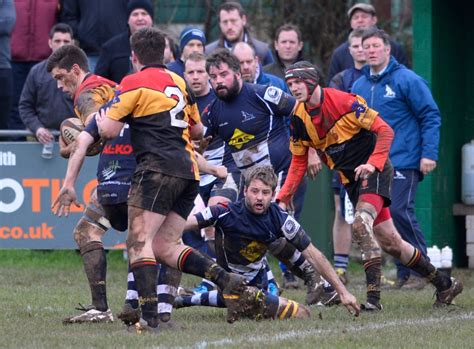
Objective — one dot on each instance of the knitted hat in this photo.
(142, 4)
(189, 34)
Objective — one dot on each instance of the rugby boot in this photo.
(129, 315)
(142, 327)
(314, 285)
(342, 274)
(329, 298)
(232, 292)
(90, 315)
(370, 307)
(445, 298)
(273, 288)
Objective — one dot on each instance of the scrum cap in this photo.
(305, 71)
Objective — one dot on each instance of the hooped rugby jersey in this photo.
(242, 237)
(155, 102)
(338, 129)
(253, 127)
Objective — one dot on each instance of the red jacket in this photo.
(34, 20)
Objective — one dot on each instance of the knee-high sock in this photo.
(167, 289)
(145, 274)
(422, 266)
(95, 267)
(194, 262)
(373, 272)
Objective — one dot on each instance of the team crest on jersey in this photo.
(240, 138)
(273, 94)
(247, 116)
(290, 227)
(116, 99)
(253, 251)
(358, 108)
(111, 170)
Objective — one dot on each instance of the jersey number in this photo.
(177, 114)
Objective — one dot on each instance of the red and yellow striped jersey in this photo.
(159, 109)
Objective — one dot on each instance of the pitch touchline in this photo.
(307, 333)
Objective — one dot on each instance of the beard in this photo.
(227, 94)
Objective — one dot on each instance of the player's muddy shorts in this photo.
(160, 193)
(379, 183)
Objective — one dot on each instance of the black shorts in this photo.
(160, 193)
(379, 183)
(117, 214)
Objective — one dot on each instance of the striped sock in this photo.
(373, 273)
(422, 266)
(210, 299)
(145, 275)
(341, 261)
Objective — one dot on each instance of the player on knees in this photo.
(246, 229)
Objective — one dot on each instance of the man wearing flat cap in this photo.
(361, 16)
(191, 40)
(114, 60)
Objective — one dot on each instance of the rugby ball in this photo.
(71, 128)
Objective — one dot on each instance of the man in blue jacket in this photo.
(404, 101)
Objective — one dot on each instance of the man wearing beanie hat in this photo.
(191, 40)
(361, 16)
(114, 60)
(140, 4)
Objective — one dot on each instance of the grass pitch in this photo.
(38, 289)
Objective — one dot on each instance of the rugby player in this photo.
(354, 140)
(69, 66)
(245, 230)
(159, 109)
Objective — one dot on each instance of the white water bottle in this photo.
(446, 257)
(348, 209)
(434, 253)
(47, 152)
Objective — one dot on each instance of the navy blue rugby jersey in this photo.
(253, 126)
(242, 237)
(116, 165)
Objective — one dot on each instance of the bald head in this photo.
(248, 61)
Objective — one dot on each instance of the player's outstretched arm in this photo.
(322, 265)
(206, 167)
(67, 194)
